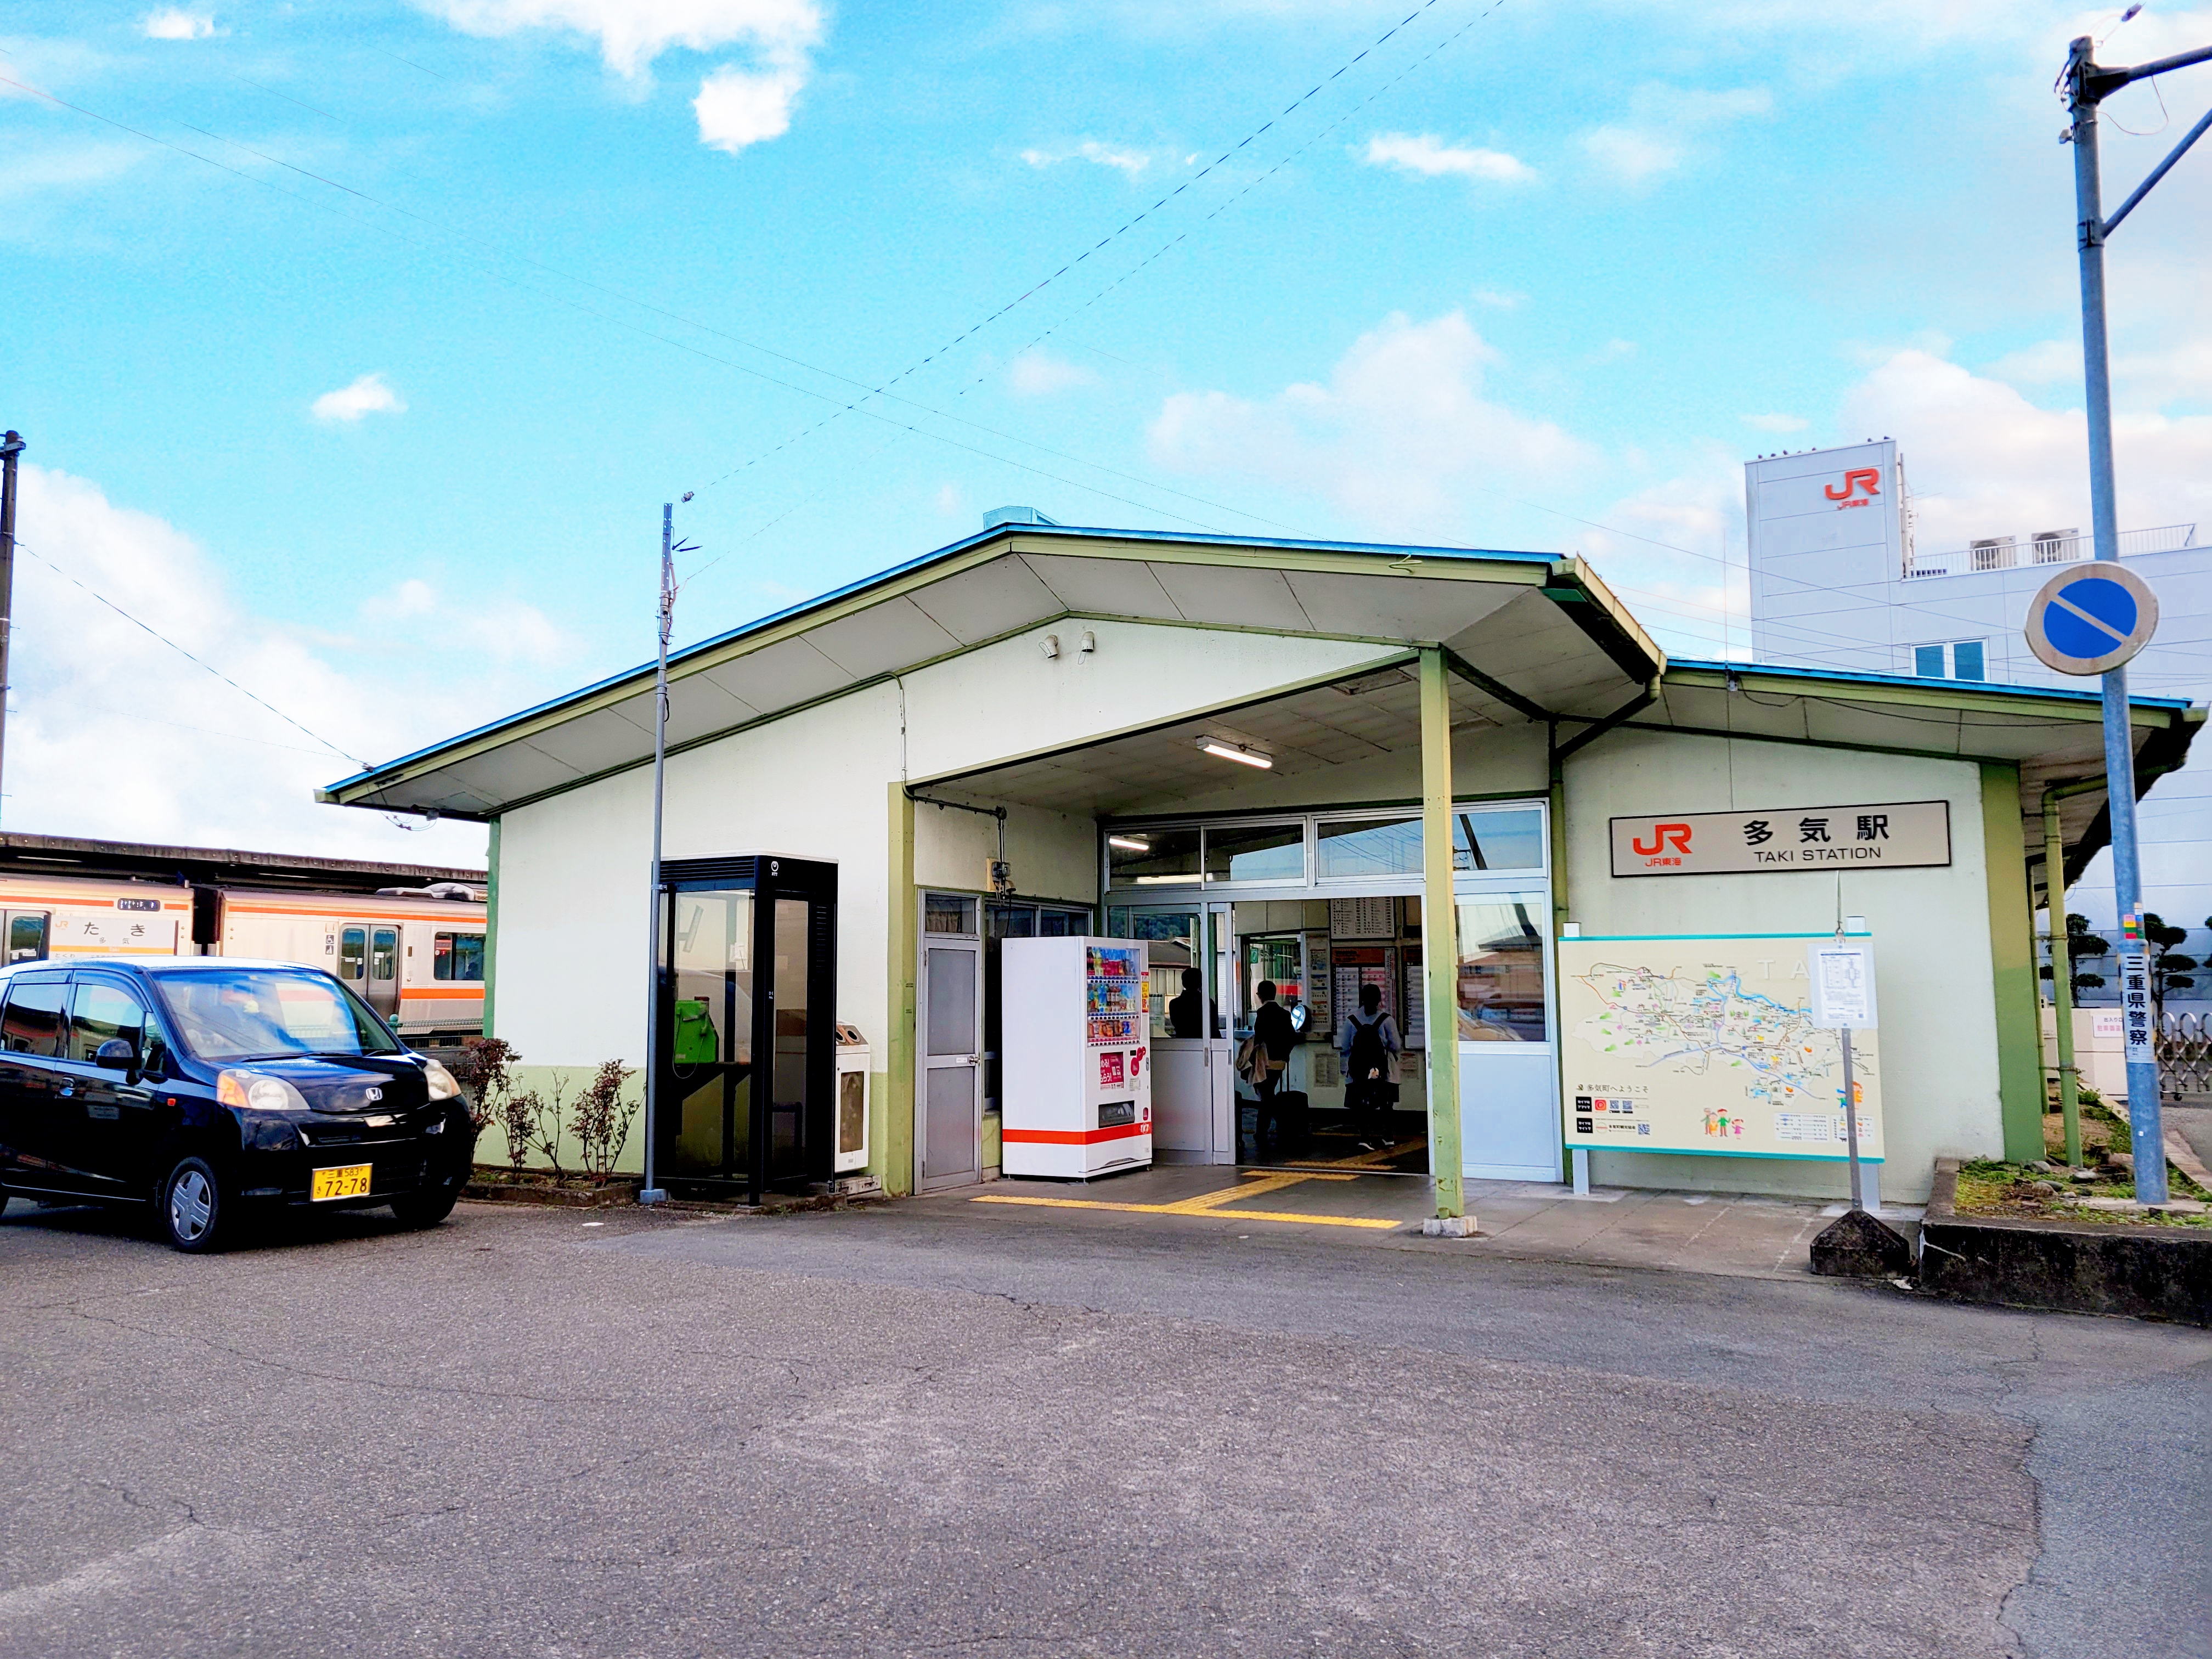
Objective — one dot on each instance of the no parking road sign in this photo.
(2091, 619)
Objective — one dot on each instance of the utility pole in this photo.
(2087, 85)
(652, 1192)
(11, 446)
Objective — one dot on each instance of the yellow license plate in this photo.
(349, 1182)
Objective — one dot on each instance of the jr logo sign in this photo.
(1866, 478)
(1664, 835)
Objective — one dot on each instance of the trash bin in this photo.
(852, 1153)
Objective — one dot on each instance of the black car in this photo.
(211, 1088)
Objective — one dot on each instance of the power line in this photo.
(190, 658)
(651, 334)
(1105, 242)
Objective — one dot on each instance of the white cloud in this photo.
(632, 33)
(1401, 436)
(950, 501)
(1428, 157)
(739, 104)
(2043, 363)
(1775, 422)
(1498, 299)
(1037, 374)
(501, 631)
(175, 23)
(368, 395)
(737, 107)
(1664, 119)
(1630, 155)
(1128, 162)
(206, 764)
(1986, 461)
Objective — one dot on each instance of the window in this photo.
(231, 1013)
(27, 936)
(352, 952)
(1501, 968)
(1959, 659)
(1367, 847)
(1256, 851)
(383, 953)
(948, 912)
(101, 1012)
(33, 1024)
(1152, 858)
(1509, 838)
(457, 956)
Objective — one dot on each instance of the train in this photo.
(415, 954)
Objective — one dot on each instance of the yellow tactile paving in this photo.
(1216, 1203)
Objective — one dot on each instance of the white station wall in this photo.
(1934, 976)
(817, 784)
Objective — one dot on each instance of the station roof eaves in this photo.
(1623, 655)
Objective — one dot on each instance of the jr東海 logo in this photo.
(1663, 834)
(1867, 478)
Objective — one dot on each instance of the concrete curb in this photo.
(2142, 1272)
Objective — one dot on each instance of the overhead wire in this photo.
(196, 662)
(1103, 242)
(648, 333)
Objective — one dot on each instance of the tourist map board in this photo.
(1708, 1045)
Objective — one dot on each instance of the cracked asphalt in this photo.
(931, 1429)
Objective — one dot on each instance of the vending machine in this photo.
(1075, 1055)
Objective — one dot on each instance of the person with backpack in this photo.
(1369, 1046)
(1267, 1056)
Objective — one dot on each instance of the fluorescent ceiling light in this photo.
(1237, 752)
(1130, 843)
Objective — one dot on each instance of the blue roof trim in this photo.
(716, 642)
(1853, 677)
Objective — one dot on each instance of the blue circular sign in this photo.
(2091, 619)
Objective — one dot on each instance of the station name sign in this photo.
(1885, 835)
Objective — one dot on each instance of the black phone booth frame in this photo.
(742, 1126)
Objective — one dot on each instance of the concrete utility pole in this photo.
(2087, 86)
(11, 446)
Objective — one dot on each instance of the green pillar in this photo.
(1439, 937)
(491, 923)
(2062, 976)
(895, 1164)
(2012, 962)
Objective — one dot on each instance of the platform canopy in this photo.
(1532, 636)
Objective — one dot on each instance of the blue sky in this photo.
(371, 399)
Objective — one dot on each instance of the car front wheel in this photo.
(193, 1206)
(426, 1207)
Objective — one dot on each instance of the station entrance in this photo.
(1322, 914)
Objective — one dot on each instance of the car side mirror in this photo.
(116, 1054)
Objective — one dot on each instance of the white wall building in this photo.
(1838, 583)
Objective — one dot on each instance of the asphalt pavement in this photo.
(955, 1430)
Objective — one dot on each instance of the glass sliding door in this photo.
(744, 1096)
(710, 1050)
(1508, 1054)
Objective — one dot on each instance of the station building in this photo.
(1270, 760)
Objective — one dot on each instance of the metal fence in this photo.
(2184, 1055)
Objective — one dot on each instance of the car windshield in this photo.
(268, 1013)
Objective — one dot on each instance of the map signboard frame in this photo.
(1706, 1044)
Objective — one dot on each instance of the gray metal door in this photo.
(949, 1081)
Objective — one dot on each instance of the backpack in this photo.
(1369, 1054)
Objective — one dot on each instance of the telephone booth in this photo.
(747, 1045)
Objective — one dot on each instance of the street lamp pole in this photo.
(2087, 86)
(652, 1192)
(11, 446)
